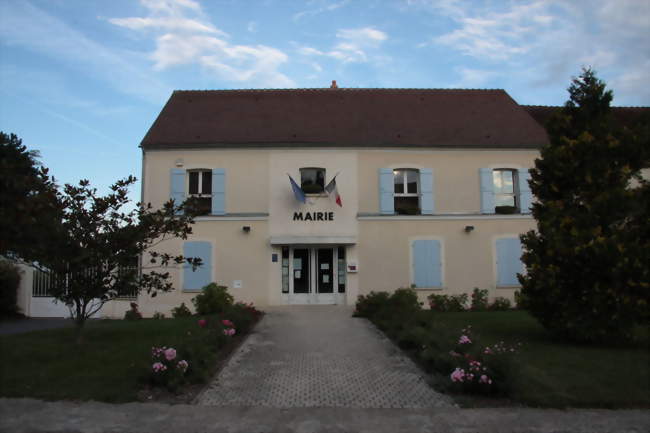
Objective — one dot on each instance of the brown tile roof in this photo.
(439, 118)
(623, 116)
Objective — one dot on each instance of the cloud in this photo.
(547, 41)
(326, 7)
(252, 26)
(25, 25)
(473, 78)
(184, 36)
(354, 46)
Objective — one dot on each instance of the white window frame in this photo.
(515, 187)
(408, 194)
(200, 194)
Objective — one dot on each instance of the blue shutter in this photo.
(508, 261)
(487, 190)
(177, 186)
(218, 191)
(386, 189)
(427, 264)
(201, 276)
(525, 195)
(426, 191)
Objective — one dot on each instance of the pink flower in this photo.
(228, 323)
(159, 366)
(230, 332)
(203, 323)
(170, 354)
(485, 379)
(464, 339)
(182, 365)
(458, 375)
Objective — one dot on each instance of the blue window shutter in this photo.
(201, 276)
(218, 191)
(427, 264)
(525, 195)
(386, 189)
(487, 190)
(427, 204)
(177, 188)
(508, 261)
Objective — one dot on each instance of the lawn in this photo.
(559, 374)
(111, 365)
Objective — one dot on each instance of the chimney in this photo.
(334, 85)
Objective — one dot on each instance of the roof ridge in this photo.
(340, 89)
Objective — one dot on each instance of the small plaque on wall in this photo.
(236, 284)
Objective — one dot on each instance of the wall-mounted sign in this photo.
(313, 216)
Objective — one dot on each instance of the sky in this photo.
(81, 81)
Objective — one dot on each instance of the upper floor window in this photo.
(200, 188)
(312, 180)
(406, 191)
(506, 198)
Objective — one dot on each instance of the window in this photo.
(506, 199)
(200, 188)
(312, 180)
(406, 191)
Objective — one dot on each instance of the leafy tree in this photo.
(94, 258)
(587, 276)
(28, 204)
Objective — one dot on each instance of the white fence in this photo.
(35, 300)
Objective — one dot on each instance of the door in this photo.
(314, 276)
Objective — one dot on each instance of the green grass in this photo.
(111, 365)
(561, 374)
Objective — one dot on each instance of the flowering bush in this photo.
(500, 304)
(229, 327)
(133, 313)
(167, 369)
(481, 369)
(444, 303)
(479, 299)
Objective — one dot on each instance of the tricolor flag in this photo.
(297, 191)
(333, 191)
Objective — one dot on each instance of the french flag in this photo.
(332, 190)
(297, 191)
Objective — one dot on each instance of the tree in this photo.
(28, 203)
(587, 273)
(92, 258)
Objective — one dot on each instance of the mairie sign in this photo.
(313, 216)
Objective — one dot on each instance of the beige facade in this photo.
(378, 248)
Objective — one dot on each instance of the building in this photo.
(433, 186)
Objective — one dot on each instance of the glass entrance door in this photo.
(301, 280)
(324, 264)
(313, 276)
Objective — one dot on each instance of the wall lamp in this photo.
(469, 229)
(246, 229)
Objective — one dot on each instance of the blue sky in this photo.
(82, 80)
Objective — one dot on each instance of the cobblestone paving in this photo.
(319, 356)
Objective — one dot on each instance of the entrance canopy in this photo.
(316, 240)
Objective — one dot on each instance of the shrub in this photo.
(482, 369)
(448, 303)
(213, 299)
(479, 299)
(181, 311)
(404, 300)
(9, 282)
(500, 304)
(133, 313)
(520, 300)
(368, 305)
(167, 368)
(158, 316)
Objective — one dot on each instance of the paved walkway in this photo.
(33, 416)
(319, 356)
(20, 326)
